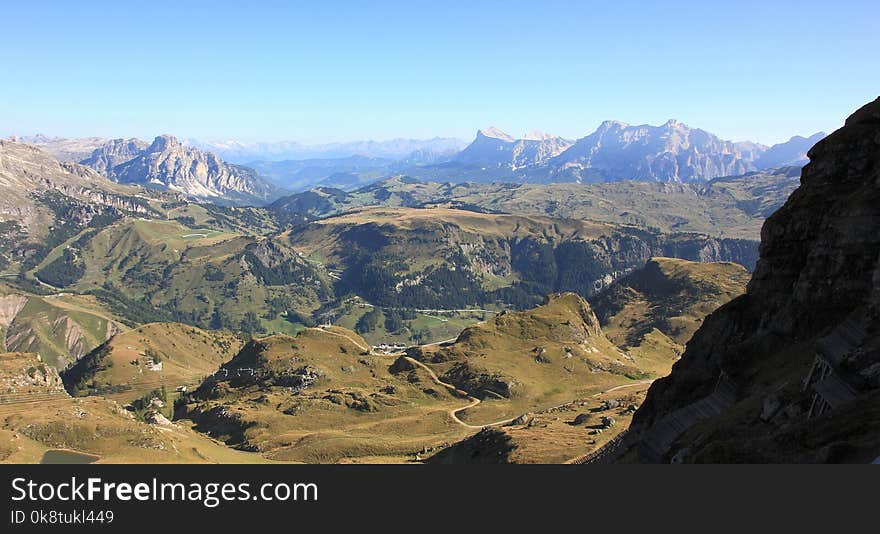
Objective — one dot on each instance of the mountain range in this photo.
(460, 322)
(671, 152)
(168, 163)
(396, 149)
(616, 151)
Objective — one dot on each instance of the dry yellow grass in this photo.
(124, 368)
(529, 361)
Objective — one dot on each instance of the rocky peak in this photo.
(494, 148)
(792, 152)
(612, 125)
(494, 133)
(537, 135)
(164, 142)
(198, 174)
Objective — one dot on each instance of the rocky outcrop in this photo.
(23, 374)
(202, 175)
(108, 156)
(789, 371)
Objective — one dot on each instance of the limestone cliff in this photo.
(169, 163)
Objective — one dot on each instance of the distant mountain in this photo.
(494, 148)
(672, 152)
(397, 149)
(298, 175)
(616, 151)
(170, 164)
(115, 152)
(792, 152)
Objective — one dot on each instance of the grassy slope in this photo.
(61, 328)
(357, 408)
(91, 425)
(525, 354)
(120, 368)
(667, 298)
(169, 262)
(435, 325)
(729, 207)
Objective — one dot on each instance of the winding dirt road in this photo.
(356, 343)
(475, 401)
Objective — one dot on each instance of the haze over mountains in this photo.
(396, 149)
(672, 152)
(616, 151)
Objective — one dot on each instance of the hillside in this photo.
(725, 207)
(44, 202)
(667, 298)
(39, 422)
(449, 258)
(151, 357)
(322, 397)
(60, 328)
(788, 372)
(648, 315)
(153, 270)
(519, 362)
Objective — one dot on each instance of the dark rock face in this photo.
(815, 292)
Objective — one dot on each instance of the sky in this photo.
(339, 71)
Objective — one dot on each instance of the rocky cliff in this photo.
(115, 152)
(790, 371)
(203, 175)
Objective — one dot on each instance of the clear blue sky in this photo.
(332, 71)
